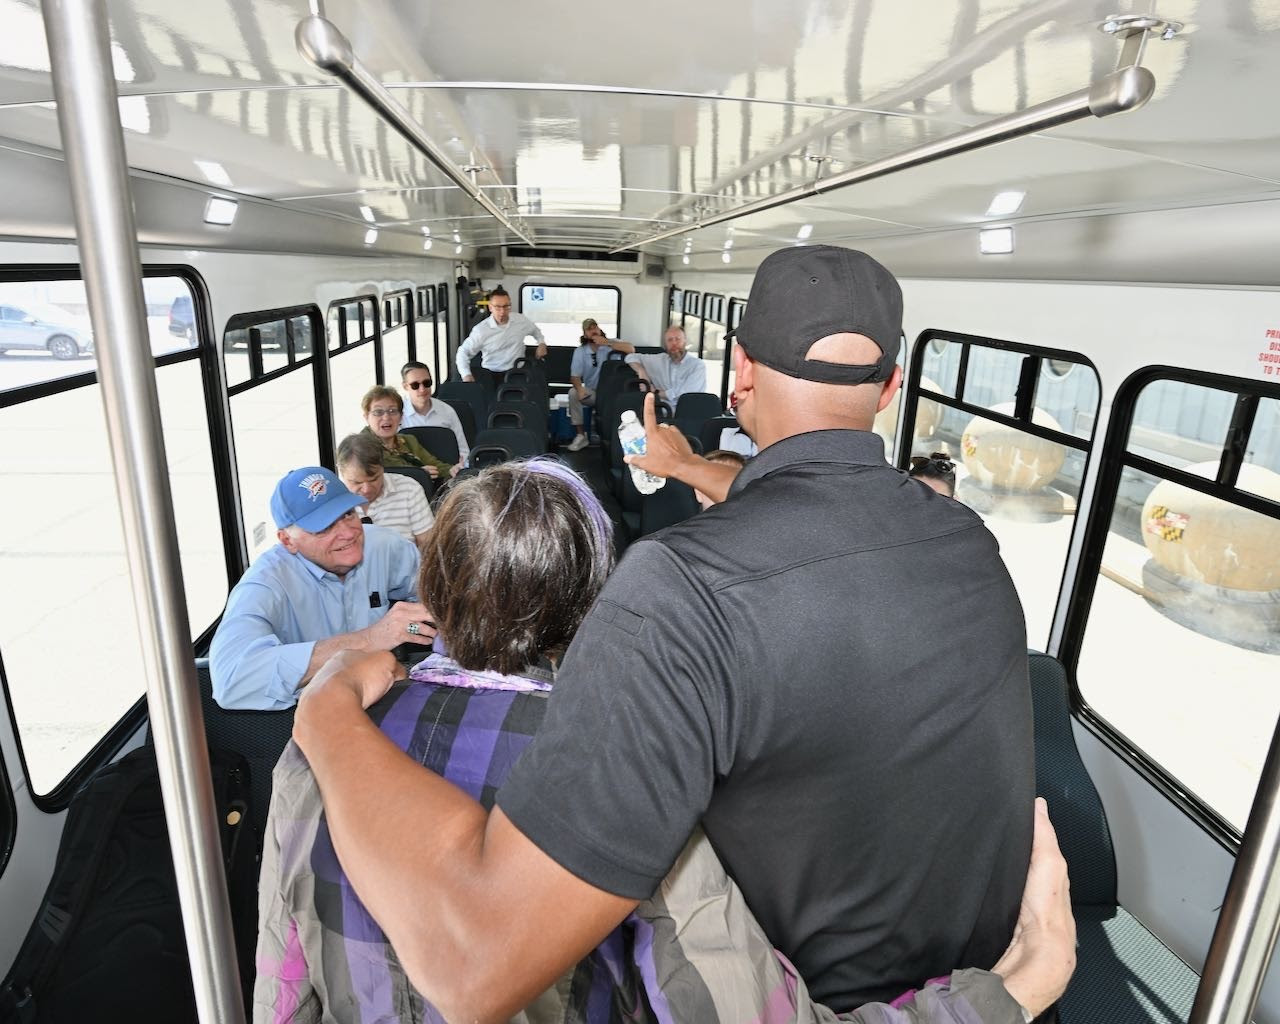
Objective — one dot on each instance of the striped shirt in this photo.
(692, 952)
(402, 506)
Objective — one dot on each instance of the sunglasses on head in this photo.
(413, 385)
(940, 461)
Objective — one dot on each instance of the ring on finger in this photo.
(413, 629)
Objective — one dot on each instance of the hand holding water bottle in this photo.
(631, 436)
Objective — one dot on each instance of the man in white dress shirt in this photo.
(421, 411)
(672, 372)
(498, 339)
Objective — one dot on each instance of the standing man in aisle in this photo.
(584, 375)
(498, 339)
(672, 372)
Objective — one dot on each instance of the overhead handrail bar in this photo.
(1126, 89)
(323, 45)
(84, 88)
(1245, 935)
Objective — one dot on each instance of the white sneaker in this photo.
(578, 443)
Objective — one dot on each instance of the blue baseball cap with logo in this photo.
(312, 498)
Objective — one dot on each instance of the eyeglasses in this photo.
(940, 461)
(593, 359)
(378, 414)
(413, 385)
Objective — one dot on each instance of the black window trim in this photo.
(115, 738)
(594, 287)
(711, 308)
(1115, 460)
(1024, 399)
(409, 297)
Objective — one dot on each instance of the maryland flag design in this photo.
(1166, 524)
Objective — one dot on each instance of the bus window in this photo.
(1013, 430)
(395, 334)
(1182, 638)
(354, 334)
(45, 333)
(64, 542)
(710, 342)
(273, 411)
(559, 310)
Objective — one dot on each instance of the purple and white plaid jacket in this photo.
(692, 952)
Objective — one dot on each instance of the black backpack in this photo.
(107, 944)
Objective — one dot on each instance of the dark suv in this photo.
(182, 319)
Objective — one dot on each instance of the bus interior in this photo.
(1081, 203)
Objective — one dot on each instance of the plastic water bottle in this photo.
(631, 437)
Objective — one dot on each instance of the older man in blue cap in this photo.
(327, 586)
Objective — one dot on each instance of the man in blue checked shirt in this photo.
(328, 586)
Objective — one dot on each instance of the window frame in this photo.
(713, 306)
(217, 414)
(732, 318)
(1116, 458)
(580, 287)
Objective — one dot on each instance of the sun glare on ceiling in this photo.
(995, 241)
(221, 212)
(1005, 204)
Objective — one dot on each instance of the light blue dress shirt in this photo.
(580, 366)
(285, 603)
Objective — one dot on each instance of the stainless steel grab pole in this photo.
(1245, 935)
(1126, 89)
(321, 43)
(93, 144)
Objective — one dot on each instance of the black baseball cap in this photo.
(805, 293)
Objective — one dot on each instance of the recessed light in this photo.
(1005, 204)
(371, 236)
(220, 211)
(457, 237)
(805, 231)
(367, 214)
(685, 260)
(427, 231)
(995, 241)
(728, 244)
(426, 246)
(726, 256)
(457, 250)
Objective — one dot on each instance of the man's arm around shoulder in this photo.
(494, 920)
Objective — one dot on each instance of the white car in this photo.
(34, 326)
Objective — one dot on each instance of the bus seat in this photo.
(439, 441)
(710, 431)
(466, 391)
(673, 503)
(259, 736)
(520, 443)
(694, 409)
(1124, 974)
(425, 479)
(528, 415)
(466, 417)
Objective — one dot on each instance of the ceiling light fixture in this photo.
(427, 231)
(995, 241)
(220, 211)
(685, 260)
(1005, 204)
(805, 231)
(371, 236)
(726, 256)
(367, 214)
(728, 244)
(457, 250)
(426, 246)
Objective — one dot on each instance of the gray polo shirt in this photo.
(828, 671)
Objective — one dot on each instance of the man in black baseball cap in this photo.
(826, 672)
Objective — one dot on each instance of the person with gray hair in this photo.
(396, 502)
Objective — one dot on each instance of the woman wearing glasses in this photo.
(382, 413)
